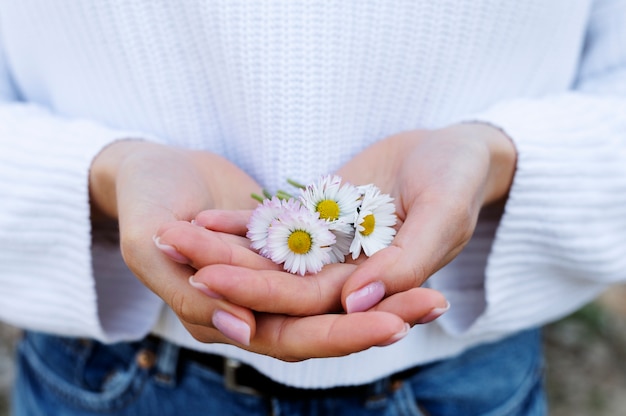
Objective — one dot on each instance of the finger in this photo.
(227, 221)
(276, 291)
(415, 306)
(170, 281)
(199, 247)
(296, 339)
(226, 237)
(234, 323)
(428, 239)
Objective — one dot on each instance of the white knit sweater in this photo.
(294, 89)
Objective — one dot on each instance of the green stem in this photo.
(257, 197)
(267, 194)
(296, 184)
(283, 195)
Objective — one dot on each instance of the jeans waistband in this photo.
(243, 378)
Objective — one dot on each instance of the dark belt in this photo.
(242, 378)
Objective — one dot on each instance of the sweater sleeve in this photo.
(47, 276)
(562, 238)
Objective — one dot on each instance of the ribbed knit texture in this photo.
(294, 89)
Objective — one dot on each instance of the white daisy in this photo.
(341, 248)
(336, 204)
(261, 220)
(300, 240)
(373, 222)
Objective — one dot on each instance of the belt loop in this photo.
(167, 363)
(381, 387)
(230, 378)
(378, 390)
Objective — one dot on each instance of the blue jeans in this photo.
(67, 376)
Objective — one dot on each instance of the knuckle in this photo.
(183, 308)
(419, 274)
(279, 347)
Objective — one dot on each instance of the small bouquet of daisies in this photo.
(325, 223)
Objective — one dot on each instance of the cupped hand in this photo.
(297, 317)
(143, 185)
(440, 181)
(283, 292)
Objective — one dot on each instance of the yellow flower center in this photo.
(328, 209)
(369, 222)
(299, 242)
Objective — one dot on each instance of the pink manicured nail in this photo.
(232, 327)
(434, 314)
(365, 298)
(170, 251)
(397, 336)
(203, 288)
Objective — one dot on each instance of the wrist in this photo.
(502, 161)
(502, 157)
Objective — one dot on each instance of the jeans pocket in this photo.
(80, 374)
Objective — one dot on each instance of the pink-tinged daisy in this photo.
(262, 218)
(301, 241)
(373, 222)
(336, 204)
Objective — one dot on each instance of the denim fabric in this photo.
(72, 377)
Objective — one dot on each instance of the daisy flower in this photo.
(262, 218)
(373, 222)
(300, 240)
(336, 204)
(341, 248)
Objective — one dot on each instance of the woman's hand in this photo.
(440, 181)
(144, 185)
(297, 317)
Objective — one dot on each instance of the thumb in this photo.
(413, 304)
(426, 241)
(383, 274)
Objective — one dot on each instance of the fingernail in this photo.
(397, 336)
(434, 314)
(170, 251)
(365, 298)
(232, 327)
(203, 288)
